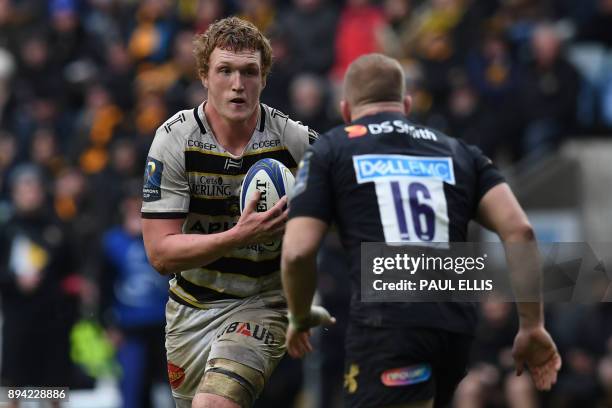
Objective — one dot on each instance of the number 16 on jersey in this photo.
(410, 194)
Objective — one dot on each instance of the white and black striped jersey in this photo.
(189, 175)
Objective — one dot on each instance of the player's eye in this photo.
(224, 70)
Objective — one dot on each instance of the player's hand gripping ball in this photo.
(274, 180)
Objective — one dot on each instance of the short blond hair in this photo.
(374, 78)
(234, 34)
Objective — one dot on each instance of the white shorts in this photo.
(249, 331)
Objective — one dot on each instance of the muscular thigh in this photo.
(220, 350)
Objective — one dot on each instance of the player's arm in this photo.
(170, 251)
(500, 211)
(303, 236)
(310, 215)
(301, 242)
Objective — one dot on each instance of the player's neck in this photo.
(233, 136)
(377, 107)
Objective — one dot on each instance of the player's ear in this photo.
(204, 78)
(407, 104)
(345, 111)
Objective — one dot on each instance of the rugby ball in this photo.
(269, 176)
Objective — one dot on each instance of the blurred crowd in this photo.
(85, 83)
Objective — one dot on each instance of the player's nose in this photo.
(237, 82)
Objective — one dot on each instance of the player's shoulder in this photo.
(456, 147)
(180, 125)
(277, 122)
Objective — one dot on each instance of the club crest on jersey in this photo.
(151, 190)
(398, 377)
(249, 329)
(393, 167)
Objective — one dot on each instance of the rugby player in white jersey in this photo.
(226, 316)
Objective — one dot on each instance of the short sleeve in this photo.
(312, 193)
(298, 137)
(487, 174)
(165, 193)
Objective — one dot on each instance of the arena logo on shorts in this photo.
(249, 330)
(398, 377)
(176, 375)
(392, 167)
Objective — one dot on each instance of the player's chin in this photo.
(239, 112)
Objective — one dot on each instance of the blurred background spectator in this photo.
(85, 83)
(133, 304)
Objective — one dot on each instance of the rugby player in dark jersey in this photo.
(427, 343)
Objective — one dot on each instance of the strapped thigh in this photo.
(229, 379)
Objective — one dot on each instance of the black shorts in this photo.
(390, 366)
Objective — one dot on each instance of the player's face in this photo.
(234, 83)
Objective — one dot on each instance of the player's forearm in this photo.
(525, 274)
(178, 252)
(299, 282)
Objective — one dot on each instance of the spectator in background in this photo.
(45, 153)
(133, 302)
(8, 159)
(151, 37)
(491, 380)
(118, 74)
(586, 378)
(599, 27)
(38, 287)
(95, 126)
(207, 12)
(359, 31)
(309, 101)
(547, 94)
(40, 99)
(261, 13)
(180, 74)
(276, 92)
(431, 38)
(310, 28)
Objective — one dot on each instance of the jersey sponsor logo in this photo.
(265, 144)
(201, 145)
(211, 227)
(301, 179)
(350, 379)
(249, 329)
(356, 131)
(400, 126)
(390, 167)
(176, 375)
(151, 190)
(399, 377)
(210, 186)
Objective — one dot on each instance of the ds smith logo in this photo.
(387, 126)
(392, 167)
(356, 131)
